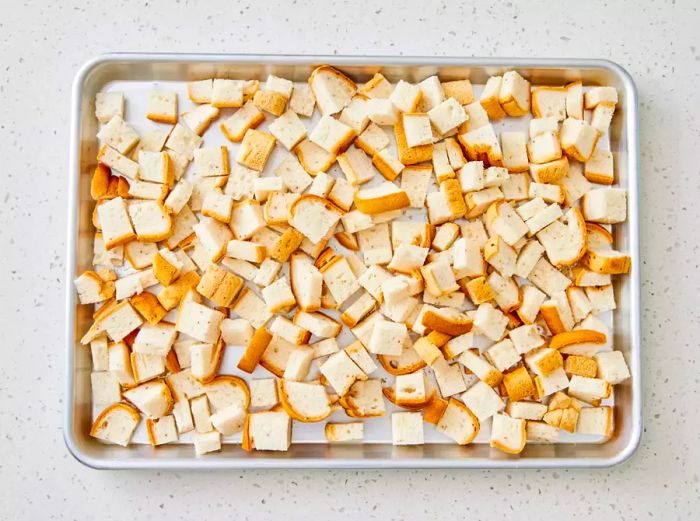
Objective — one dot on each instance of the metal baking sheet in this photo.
(135, 74)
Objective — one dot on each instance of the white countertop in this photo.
(41, 46)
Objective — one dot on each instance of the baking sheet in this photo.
(378, 430)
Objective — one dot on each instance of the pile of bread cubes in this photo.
(469, 268)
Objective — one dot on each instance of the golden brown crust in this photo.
(170, 296)
(410, 155)
(100, 420)
(449, 325)
(519, 384)
(254, 350)
(578, 336)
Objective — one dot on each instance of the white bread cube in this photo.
(495, 176)
(447, 115)
(105, 388)
(415, 181)
(506, 223)
(471, 176)
(372, 140)
(358, 354)
(217, 205)
(541, 433)
(321, 185)
(99, 353)
(612, 367)
(206, 442)
(489, 98)
(467, 258)
(589, 389)
(405, 96)
(183, 416)
(502, 355)
(604, 205)
(441, 163)
(599, 167)
(574, 100)
(344, 432)
(229, 420)
(388, 338)
(236, 331)
(387, 164)
(490, 321)
(355, 114)
(288, 129)
(201, 360)
(409, 389)
(482, 145)
(407, 428)
(200, 118)
(355, 221)
(115, 223)
(288, 330)
(227, 93)
(449, 377)
(602, 116)
(543, 125)
(514, 148)
(245, 118)
(119, 135)
(377, 87)
(154, 398)
(477, 117)
(526, 338)
(161, 106)
(602, 298)
(432, 93)
(340, 279)
(549, 102)
(595, 420)
(199, 321)
(267, 272)
(597, 95)
(118, 162)
(302, 101)
(514, 94)
(281, 85)
(382, 111)
(263, 393)
(544, 217)
(578, 139)
(293, 174)
(341, 372)
(508, 434)
(500, 255)
(480, 367)
(263, 187)
(407, 258)
(544, 147)
(121, 320)
(553, 382)
(325, 347)
(532, 411)
(372, 280)
(298, 364)
(155, 339)
(116, 424)
(454, 153)
(108, 105)
(161, 430)
(482, 400)
(331, 135)
(417, 128)
(120, 363)
(201, 414)
(331, 88)
(439, 278)
(178, 197)
(183, 141)
(357, 166)
(269, 431)
(318, 324)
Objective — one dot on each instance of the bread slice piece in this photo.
(508, 434)
(268, 430)
(304, 402)
(458, 422)
(482, 145)
(331, 89)
(607, 261)
(514, 94)
(314, 217)
(154, 398)
(383, 198)
(116, 424)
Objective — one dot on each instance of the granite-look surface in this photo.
(41, 46)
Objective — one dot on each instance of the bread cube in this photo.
(407, 428)
(578, 139)
(161, 106)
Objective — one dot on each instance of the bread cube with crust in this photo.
(341, 372)
(255, 149)
(407, 428)
(514, 94)
(482, 400)
(405, 96)
(288, 129)
(612, 367)
(245, 118)
(199, 321)
(508, 434)
(578, 139)
(268, 430)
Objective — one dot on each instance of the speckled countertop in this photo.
(41, 46)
